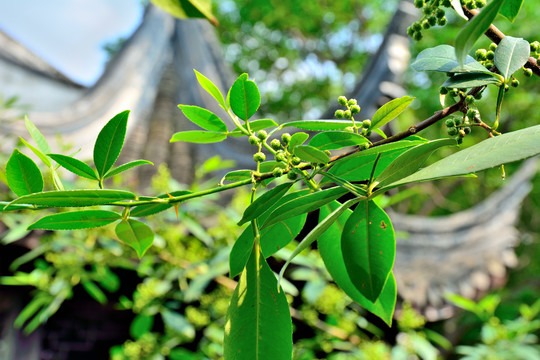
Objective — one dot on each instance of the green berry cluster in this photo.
(432, 14)
(474, 4)
(486, 56)
(460, 127)
(352, 109)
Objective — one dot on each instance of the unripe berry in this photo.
(453, 92)
(339, 114)
(277, 172)
(462, 133)
(492, 46)
(355, 109)
(281, 156)
(275, 144)
(506, 87)
(286, 139)
(262, 134)
(253, 140)
(416, 26)
(480, 3)
(446, 3)
(528, 72)
(442, 21)
(443, 91)
(349, 129)
(410, 31)
(418, 36)
(352, 102)
(327, 152)
(427, 10)
(459, 140)
(469, 99)
(452, 131)
(467, 130)
(366, 124)
(259, 157)
(419, 3)
(364, 146)
(440, 13)
(342, 100)
(458, 121)
(450, 123)
(291, 175)
(347, 114)
(425, 24)
(296, 160)
(480, 54)
(432, 20)
(470, 4)
(535, 46)
(471, 113)
(367, 133)
(515, 82)
(490, 55)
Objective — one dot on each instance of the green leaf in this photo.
(135, 234)
(38, 137)
(109, 143)
(456, 4)
(74, 198)
(199, 136)
(4, 206)
(258, 323)
(318, 125)
(311, 154)
(245, 97)
(203, 118)
(38, 153)
(390, 111)
(330, 249)
(237, 175)
(141, 325)
(263, 202)
(470, 80)
(126, 166)
(74, 165)
(369, 247)
(330, 140)
(211, 88)
(511, 54)
(475, 28)
(151, 209)
(506, 148)
(84, 219)
(442, 58)
(510, 9)
(94, 291)
(183, 9)
(273, 237)
(410, 161)
(23, 175)
(255, 125)
(304, 204)
(297, 139)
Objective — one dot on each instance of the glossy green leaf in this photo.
(237, 175)
(318, 125)
(475, 28)
(510, 9)
(297, 139)
(94, 291)
(203, 118)
(135, 234)
(4, 206)
(109, 143)
(330, 140)
(38, 137)
(245, 97)
(211, 88)
(442, 58)
(470, 80)
(255, 125)
(183, 9)
(311, 154)
(151, 209)
(390, 111)
(124, 167)
(74, 165)
(317, 231)
(511, 54)
(410, 161)
(38, 153)
(506, 148)
(368, 246)
(330, 249)
(304, 204)
(273, 237)
(84, 219)
(258, 324)
(141, 324)
(199, 136)
(264, 202)
(74, 198)
(23, 175)
(456, 4)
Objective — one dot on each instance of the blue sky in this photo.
(69, 34)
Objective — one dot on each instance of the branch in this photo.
(496, 36)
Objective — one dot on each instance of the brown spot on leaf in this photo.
(383, 225)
